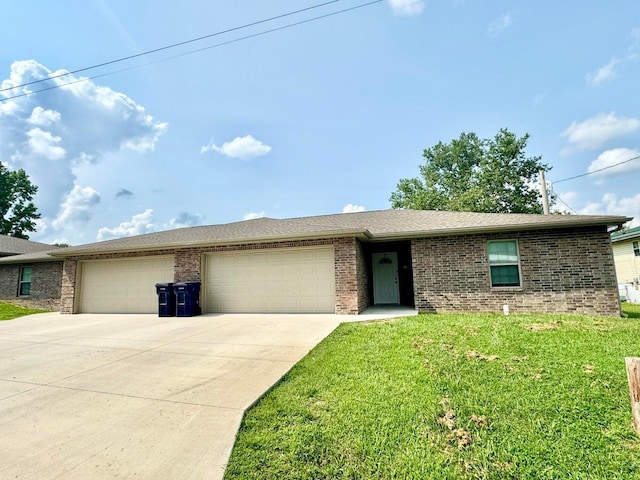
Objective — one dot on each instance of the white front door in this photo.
(385, 279)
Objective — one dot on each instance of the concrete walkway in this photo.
(137, 396)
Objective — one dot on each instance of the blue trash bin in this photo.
(187, 299)
(166, 300)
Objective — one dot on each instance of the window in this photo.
(636, 249)
(504, 263)
(24, 287)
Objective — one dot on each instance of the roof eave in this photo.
(360, 233)
(444, 232)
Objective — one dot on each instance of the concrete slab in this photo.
(137, 396)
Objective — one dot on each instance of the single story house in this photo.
(433, 261)
(29, 276)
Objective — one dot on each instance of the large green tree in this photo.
(17, 210)
(475, 175)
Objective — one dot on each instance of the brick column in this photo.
(68, 289)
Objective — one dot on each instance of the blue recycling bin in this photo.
(166, 300)
(187, 299)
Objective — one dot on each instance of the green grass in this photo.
(9, 312)
(451, 397)
(631, 310)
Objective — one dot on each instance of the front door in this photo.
(385, 279)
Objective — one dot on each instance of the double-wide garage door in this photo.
(277, 281)
(123, 286)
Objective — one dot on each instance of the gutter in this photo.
(445, 232)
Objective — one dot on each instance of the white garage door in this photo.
(123, 286)
(278, 281)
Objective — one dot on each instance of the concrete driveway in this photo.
(137, 396)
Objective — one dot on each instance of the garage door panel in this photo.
(123, 286)
(292, 280)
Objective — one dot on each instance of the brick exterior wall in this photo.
(351, 290)
(364, 301)
(568, 270)
(564, 270)
(45, 285)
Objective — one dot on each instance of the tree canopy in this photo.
(475, 175)
(17, 210)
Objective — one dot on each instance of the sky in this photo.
(267, 118)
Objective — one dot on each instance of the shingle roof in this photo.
(35, 257)
(14, 246)
(374, 225)
(625, 235)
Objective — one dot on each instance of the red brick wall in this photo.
(568, 270)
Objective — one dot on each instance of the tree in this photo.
(18, 213)
(474, 175)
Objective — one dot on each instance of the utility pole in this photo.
(543, 191)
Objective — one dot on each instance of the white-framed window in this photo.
(24, 284)
(504, 263)
(636, 249)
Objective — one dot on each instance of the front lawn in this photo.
(631, 310)
(451, 397)
(9, 312)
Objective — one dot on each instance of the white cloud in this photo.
(55, 132)
(185, 219)
(349, 208)
(538, 99)
(139, 224)
(77, 207)
(610, 205)
(608, 71)
(406, 7)
(500, 24)
(253, 215)
(595, 131)
(44, 144)
(612, 157)
(605, 73)
(43, 118)
(240, 147)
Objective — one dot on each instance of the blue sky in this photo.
(319, 118)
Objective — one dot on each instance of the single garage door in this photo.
(123, 286)
(276, 281)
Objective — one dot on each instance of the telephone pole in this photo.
(543, 191)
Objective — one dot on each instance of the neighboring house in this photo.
(16, 246)
(28, 275)
(626, 254)
(431, 260)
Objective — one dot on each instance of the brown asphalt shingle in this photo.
(14, 246)
(375, 225)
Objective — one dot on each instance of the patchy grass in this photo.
(451, 397)
(9, 312)
(631, 310)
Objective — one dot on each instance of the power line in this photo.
(596, 171)
(265, 32)
(562, 201)
(174, 45)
